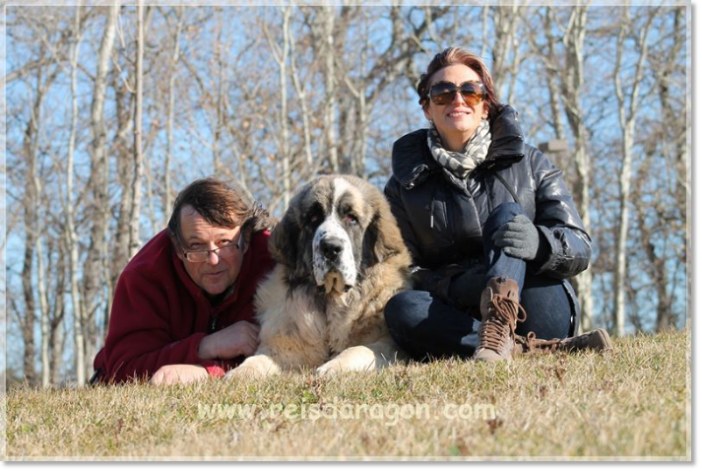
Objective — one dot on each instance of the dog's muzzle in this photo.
(333, 261)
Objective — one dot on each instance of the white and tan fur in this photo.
(330, 318)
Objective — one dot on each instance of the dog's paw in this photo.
(353, 359)
(329, 369)
(345, 364)
(255, 367)
(243, 373)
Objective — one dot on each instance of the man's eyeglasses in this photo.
(222, 251)
(442, 93)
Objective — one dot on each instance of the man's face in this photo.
(218, 272)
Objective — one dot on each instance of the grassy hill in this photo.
(632, 403)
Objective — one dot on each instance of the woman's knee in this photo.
(548, 307)
(407, 309)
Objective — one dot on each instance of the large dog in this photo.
(340, 258)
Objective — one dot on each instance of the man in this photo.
(183, 307)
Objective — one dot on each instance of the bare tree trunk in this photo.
(138, 154)
(45, 322)
(627, 120)
(548, 55)
(154, 222)
(330, 83)
(58, 311)
(219, 103)
(658, 270)
(679, 123)
(624, 187)
(363, 112)
(284, 107)
(584, 279)
(58, 341)
(124, 111)
(485, 35)
(514, 67)
(360, 149)
(167, 200)
(32, 205)
(302, 98)
(98, 186)
(27, 286)
(554, 94)
(506, 21)
(70, 228)
(358, 129)
(571, 86)
(685, 180)
(684, 146)
(280, 54)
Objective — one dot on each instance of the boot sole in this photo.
(490, 358)
(600, 340)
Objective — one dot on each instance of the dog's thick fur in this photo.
(327, 313)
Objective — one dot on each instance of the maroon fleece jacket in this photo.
(159, 315)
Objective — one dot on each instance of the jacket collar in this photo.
(410, 167)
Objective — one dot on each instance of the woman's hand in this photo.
(518, 238)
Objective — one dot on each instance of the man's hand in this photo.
(239, 339)
(179, 374)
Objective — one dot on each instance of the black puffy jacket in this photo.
(441, 217)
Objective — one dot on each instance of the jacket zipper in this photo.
(213, 322)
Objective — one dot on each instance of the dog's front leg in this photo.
(255, 367)
(362, 358)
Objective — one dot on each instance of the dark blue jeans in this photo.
(425, 326)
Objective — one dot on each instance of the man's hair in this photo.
(220, 205)
(451, 56)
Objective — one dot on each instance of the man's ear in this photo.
(246, 237)
(176, 247)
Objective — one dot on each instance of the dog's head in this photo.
(336, 228)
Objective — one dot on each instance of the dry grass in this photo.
(631, 403)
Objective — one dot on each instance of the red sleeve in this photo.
(215, 371)
(139, 339)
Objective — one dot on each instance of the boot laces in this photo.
(501, 323)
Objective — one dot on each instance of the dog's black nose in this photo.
(331, 248)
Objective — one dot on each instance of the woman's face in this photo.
(456, 121)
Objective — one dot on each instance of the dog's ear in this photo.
(383, 238)
(283, 242)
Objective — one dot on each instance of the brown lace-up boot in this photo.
(597, 340)
(500, 310)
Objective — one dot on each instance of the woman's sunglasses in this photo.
(442, 93)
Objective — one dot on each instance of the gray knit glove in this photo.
(519, 238)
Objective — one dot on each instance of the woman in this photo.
(487, 218)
